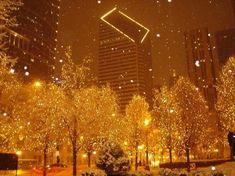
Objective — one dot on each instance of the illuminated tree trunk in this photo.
(170, 155)
(74, 160)
(57, 154)
(188, 158)
(75, 147)
(45, 160)
(89, 158)
(170, 151)
(136, 156)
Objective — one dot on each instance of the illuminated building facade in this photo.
(225, 43)
(33, 41)
(201, 63)
(124, 57)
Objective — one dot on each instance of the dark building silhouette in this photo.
(202, 65)
(225, 42)
(124, 57)
(33, 41)
(233, 7)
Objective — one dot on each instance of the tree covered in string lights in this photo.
(226, 96)
(73, 78)
(40, 117)
(167, 114)
(97, 112)
(9, 85)
(10, 88)
(92, 112)
(7, 7)
(137, 116)
(193, 114)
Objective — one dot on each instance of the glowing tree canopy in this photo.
(137, 116)
(7, 7)
(92, 112)
(97, 112)
(10, 95)
(75, 76)
(40, 116)
(193, 114)
(226, 95)
(167, 117)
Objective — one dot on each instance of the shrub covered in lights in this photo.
(112, 159)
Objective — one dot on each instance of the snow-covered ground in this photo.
(228, 168)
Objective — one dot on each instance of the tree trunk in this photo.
(170, 156)
(136, 156)
(188, 159)
(45, 160)
(57, 153)
(74, 160)
(147, 152)
(89, 159)
(74, 142)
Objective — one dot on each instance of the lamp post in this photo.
(146, 124)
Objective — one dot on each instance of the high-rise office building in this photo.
(225, 43)
(33, 41)
(124, 56)
(201, 63)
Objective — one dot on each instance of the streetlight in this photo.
(19, 153)
(37, 84)
(146, 124)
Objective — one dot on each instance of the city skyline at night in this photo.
(117, 87)
(168, 21)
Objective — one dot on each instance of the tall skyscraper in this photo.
(124, 56)
(202, 65)
(33, 41)
(225, 43)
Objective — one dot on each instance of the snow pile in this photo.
(93, 172)
(139, 173)
(169, 172)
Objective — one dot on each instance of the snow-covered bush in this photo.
(93, 172)
(169, 172)
(198, 173)
(217, 173)
(212, 173)
(112, 159)
(139, 173)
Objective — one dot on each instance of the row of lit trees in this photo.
(181, 116)
(41, 115)
(75, 111)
